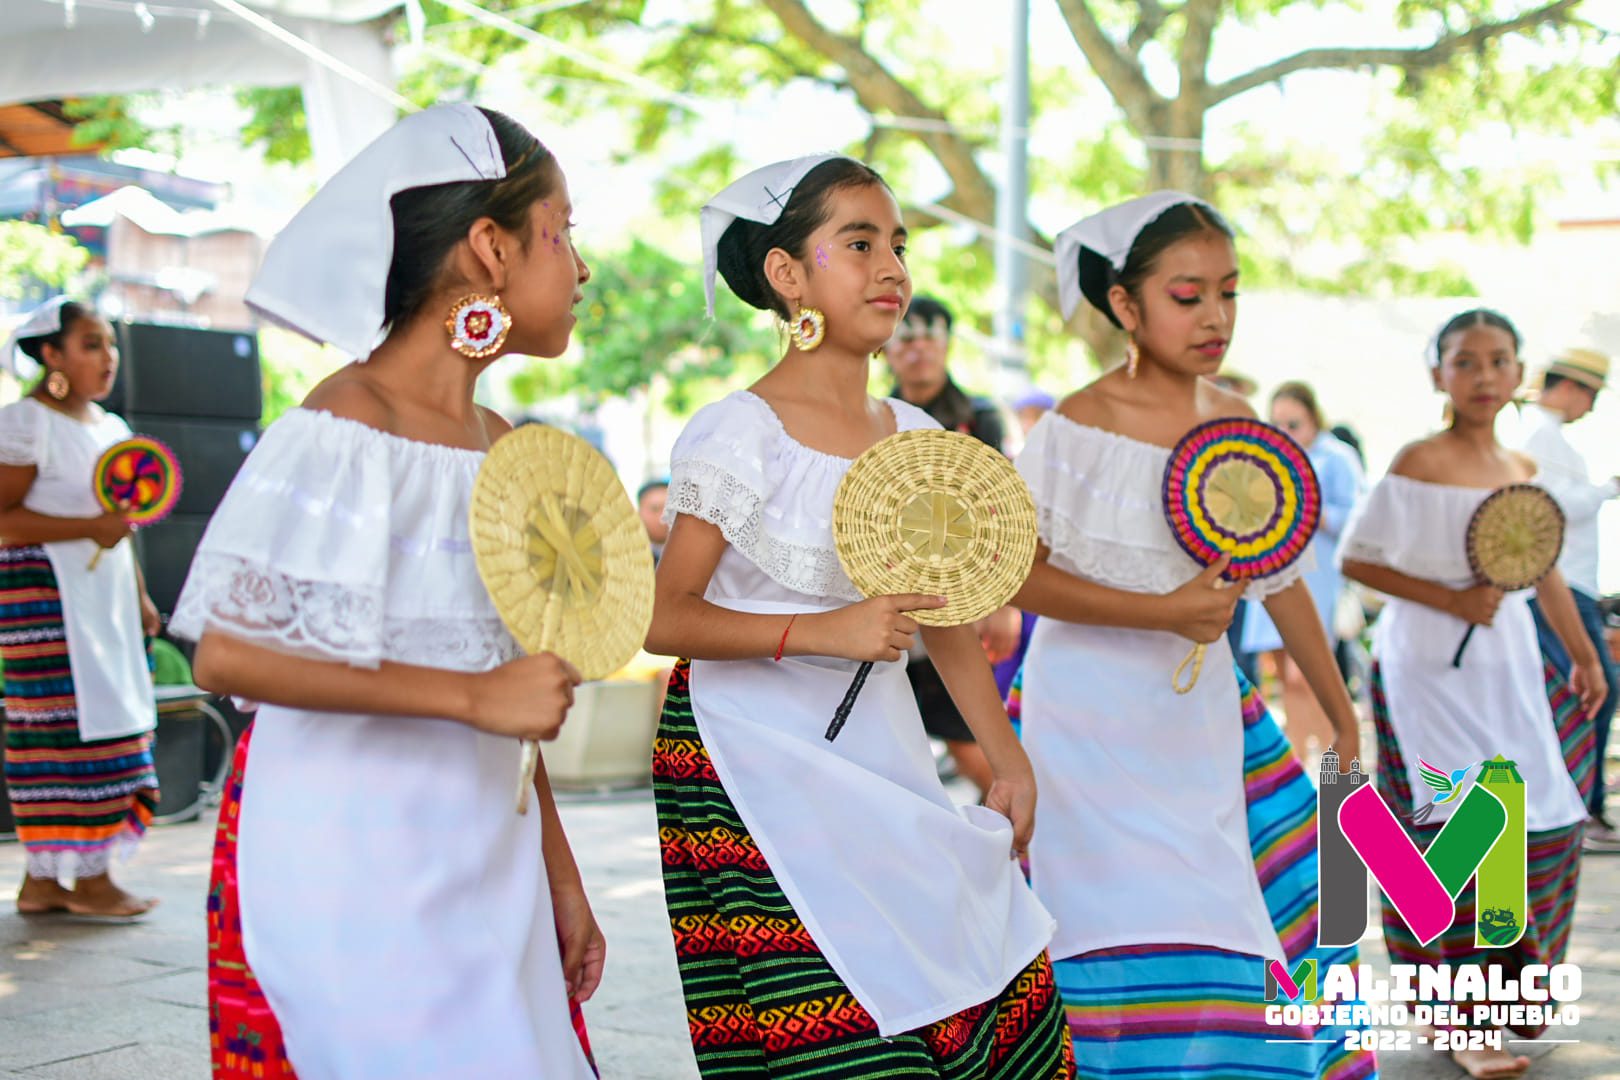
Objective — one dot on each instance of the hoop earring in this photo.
(478, 325)
(1132, 356)
(808, 329)
(58, 386)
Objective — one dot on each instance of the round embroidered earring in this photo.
(58, 386)
(808, 329)
(1132, 355)
(478, 325)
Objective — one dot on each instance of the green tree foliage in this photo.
(33, 255)
(642, 328)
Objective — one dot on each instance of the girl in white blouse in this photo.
(1160, 849)
(834, 913)
(1408, 542)
(373, 881)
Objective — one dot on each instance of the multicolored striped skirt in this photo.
(1554, 856)
(761, 1000)
(1150, 1011)
(77, 804)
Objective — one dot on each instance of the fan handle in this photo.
(844, 707)
(1456, 661)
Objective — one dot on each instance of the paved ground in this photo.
(88, 1002)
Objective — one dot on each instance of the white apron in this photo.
(101, 616)
(915, 902)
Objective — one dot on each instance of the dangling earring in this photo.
(478, 325)
(58, 386)
(808, 329)
(1132, 355)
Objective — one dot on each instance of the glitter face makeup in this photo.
(821, 257)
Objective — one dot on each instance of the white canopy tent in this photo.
(335, 50)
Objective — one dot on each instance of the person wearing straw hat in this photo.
(80, 710)
(1569, 390)
(834, 913)
(377, 910)
(1435, 706)
(1157, 800)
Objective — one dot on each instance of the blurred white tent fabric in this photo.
(73, 48)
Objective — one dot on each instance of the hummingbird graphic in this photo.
(1446, 787)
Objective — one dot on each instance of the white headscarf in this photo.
(1110, 233)
(41, 322)
(325, 275)
(760, 196)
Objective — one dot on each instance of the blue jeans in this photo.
(1592, 619)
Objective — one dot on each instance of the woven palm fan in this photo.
(1240, 487)
(1514, 539)
(564, 556)
(932, 511)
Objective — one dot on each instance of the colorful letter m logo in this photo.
(1483, 840)
(1299, 988)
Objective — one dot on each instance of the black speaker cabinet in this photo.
(210, 452)
(185, 371)
(165, 551)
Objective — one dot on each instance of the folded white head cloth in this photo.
(326, 274)
(43, 320)
(1110, 233)
(760, 196)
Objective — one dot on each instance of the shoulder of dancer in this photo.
(351, 397)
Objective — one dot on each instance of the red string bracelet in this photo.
(783, 643)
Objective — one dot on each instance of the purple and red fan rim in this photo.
(1297, 474)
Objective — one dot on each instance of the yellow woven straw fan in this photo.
(936, 512)
(1514, 538)
(564, 556)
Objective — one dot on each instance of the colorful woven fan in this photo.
(1240, 487)
(564, 555)
(938, 512)
(1514, 538)
(142, 475)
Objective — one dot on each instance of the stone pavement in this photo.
(89, 1002)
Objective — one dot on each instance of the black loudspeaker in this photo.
(165, 551)
(183, 371)
(210, 452)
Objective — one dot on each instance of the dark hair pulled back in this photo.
(71, 312)
(744, 245)
(430, 221)
(1471, 318)
(1097, 274)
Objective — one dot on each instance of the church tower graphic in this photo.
(1341, 875)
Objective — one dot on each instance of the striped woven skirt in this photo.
(761, 1000)
(1161, 1011)
(1554, 856)
(77, 804)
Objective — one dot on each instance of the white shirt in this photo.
(1563, 472)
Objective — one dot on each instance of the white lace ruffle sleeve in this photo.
(23, 438)
(1099, 509)
(771, 497)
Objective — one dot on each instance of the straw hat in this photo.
(562, 550)
(1588, 367)
(934, 511)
